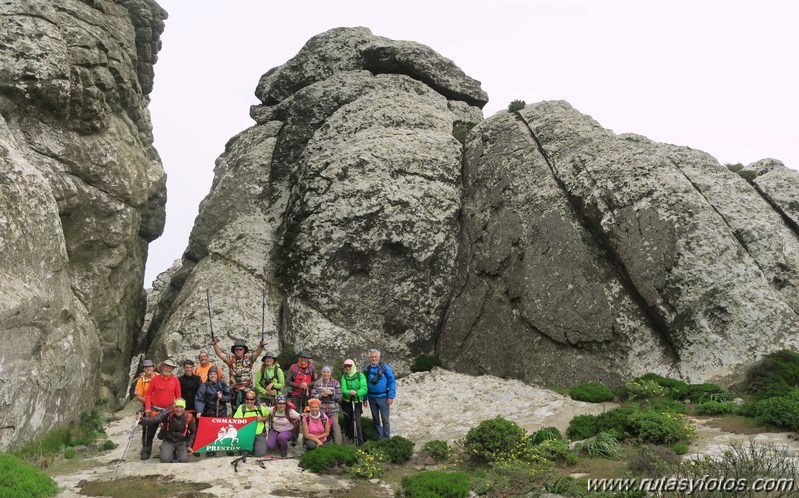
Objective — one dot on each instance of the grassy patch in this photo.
(20, 479)
(145, 486)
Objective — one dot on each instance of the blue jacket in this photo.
(385, 385)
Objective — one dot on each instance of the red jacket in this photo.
(162, 392)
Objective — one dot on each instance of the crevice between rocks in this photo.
(616, 262)
(776, 207)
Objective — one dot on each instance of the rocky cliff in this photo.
(83, 192)
(544, 247)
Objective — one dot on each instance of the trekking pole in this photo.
(217, 405)
(354, 425)
(210, 321)
(263, 312)
(125, 452)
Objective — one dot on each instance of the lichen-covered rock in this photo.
(697, 270)
(780, 186)
(343, 198)
(73, 93)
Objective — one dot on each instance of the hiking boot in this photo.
(145, 455)
(284, 453)
(210, 454)
(231, 453)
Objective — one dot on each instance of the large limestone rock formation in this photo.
(342, 202)
(83, 193)
(597, 256)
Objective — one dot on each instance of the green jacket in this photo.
(260, 411)
(355, 382)
(273, 374)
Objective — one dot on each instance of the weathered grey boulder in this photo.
(644, 257)
(343, 198)
(74, 79)
(780, 186)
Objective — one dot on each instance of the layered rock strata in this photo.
(84, 193)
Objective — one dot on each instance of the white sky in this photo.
(719, 76)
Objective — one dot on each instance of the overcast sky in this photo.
(719, 76)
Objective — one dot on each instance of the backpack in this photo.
(264, 380)
(309, 371)
(289, 406)
(166, 423)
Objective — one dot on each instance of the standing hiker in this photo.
(205, 364)
(252, 408)
(163, 390)
(269, 380)
(282, 420)
(353, 392)
(240, 367)
(178, 430)
(382, 387)
(302, 376)
(328, 391)
(142, 384)
(315, 426)
(189, 385)
(212, 399)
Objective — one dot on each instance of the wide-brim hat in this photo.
(168, 363)
(269, 355)
(304, 354)
(239, 343)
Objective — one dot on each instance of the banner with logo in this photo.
(225, 434)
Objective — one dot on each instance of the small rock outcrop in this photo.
(83, 193)
(341, 202)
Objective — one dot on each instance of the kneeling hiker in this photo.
(252, 408)
(178, 430)
(281, 426)
(315, 426)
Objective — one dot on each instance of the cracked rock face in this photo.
(602, 257)
(83, 194)
(342, 201)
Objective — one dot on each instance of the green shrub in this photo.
(517, 105)
(661, 405)
(397, 449)
(108, 445)
(460, 130)
(69, 452)
(654, 427)
(734, 167)
(642, 389)
(434, 484)
(592, 392)
(368, 465)
(747, 174)
(602, 445)
(715, 408)
(779, 411)
(368, 428)
(680, 449)
(774, 375)
(613, 421)
(19, 479)
(544, 434)
(325, 457)
(493, 438)
(699, 393)
(437, 449)
(552, 450)
(675, 389)
(425, 363)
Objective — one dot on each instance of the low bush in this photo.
(108, 445)
(460, 130)
(544, 434)
(396, 449)
(651, 460)
(641, 389)
(437, 449)
(326, 457)
(675, 389)
(368, 428)
(680, 449)
(286, 357)
(602, 445)
(517, 105)
(493, 438)
(613, 421)
(20, 479)
(434, 484)
(699, 393)
(592, 392)
(714, 408)
(425, 363)
(658, 428)
(779, 411)
(549, 451)
(368, 465)
(662, 405)
(774, 375)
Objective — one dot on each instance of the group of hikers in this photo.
(310, 406)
